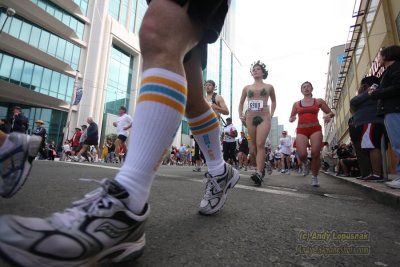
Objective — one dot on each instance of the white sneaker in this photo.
(306, 168)
(394, 184)
(95, 229)
(16, 164)
(216, 190)
(314, 181)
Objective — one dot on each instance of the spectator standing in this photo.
(388, 95)
(75, 141)
(41, 131)
(368, 130)
(52, 150)
(18, 122)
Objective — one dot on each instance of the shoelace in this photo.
(211, 183)
(87, 206)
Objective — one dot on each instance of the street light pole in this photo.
(10, 13)
(66, 131)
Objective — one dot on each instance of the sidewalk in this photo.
(378, 191)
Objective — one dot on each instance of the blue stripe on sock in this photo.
(154, 88)
(204, 125)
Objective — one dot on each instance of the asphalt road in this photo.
(273, 225)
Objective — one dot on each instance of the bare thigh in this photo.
(167, 33)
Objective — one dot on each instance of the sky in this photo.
(293, 38)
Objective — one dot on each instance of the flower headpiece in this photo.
(262, 66)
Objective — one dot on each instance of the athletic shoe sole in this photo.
(33, 143)
(120, 253)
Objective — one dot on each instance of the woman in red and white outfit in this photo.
(308, 129)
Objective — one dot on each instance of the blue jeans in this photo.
(392, 124)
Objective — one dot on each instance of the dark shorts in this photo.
(350, 163)
(210, 14)
(369, 135)
(196, 151)
(122, 137)
(244, 150)
(91, 142)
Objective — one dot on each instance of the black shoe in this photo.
(257, 178)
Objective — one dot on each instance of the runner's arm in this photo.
(273, 100)
(294, 113)
(221, 106)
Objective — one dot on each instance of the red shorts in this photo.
(309, 130)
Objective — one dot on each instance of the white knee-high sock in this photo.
(159, 111)
(205, 129)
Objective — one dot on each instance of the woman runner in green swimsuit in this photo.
(258, 116)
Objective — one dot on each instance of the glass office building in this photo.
(50, 48)
(44, 45)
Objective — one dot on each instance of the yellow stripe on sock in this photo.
(200, 122)
(163, 100)
(206, 130)
(160, 80)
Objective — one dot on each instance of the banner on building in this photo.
(78, 96)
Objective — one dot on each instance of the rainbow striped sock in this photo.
(159, 111)
(205, 129)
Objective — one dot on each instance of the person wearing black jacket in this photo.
(388, 95)
(41, 131)
(18, 122)
(369, 129)
(92, 139)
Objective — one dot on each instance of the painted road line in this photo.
(265, 190)
(271, 189)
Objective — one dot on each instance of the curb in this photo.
(377, 191)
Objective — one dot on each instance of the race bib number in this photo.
(256, 105)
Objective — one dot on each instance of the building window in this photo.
(35, 77)
(119, 80)
(213, 59)
(113, 8)
(124, 12)
(133, 16)
(62, 15)
(54, 120)
(141, 10)
(185, 127)
(373, 7)
(49, 43)
(360, 47)
(226, 75)
(83, 4)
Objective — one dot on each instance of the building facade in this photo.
(50, 48)
(336, 57)
(377, 24)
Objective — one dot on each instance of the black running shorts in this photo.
(210, 14)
